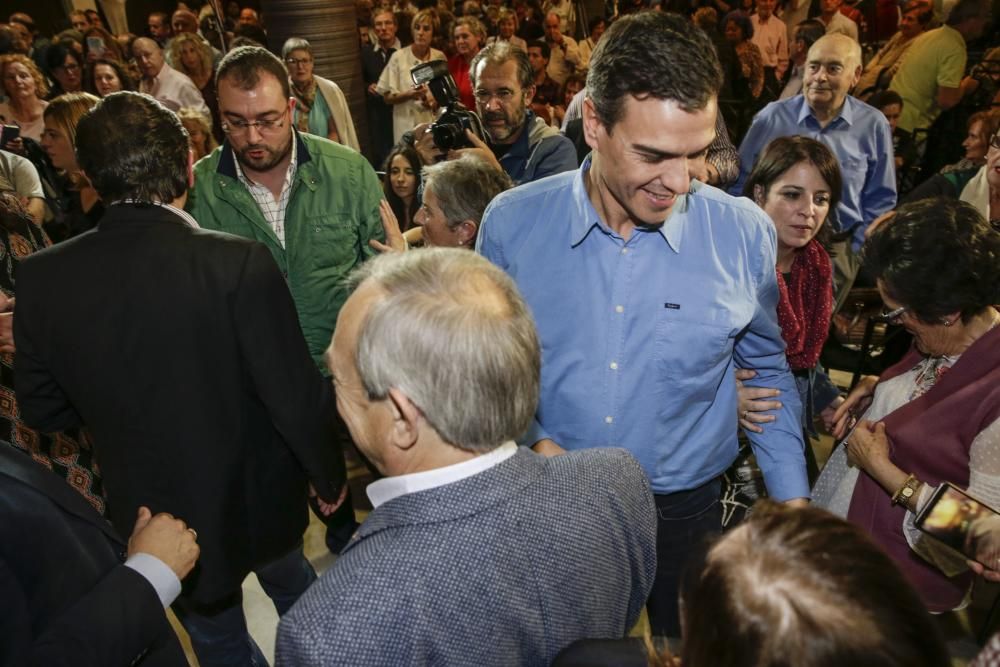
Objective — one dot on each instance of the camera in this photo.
(449, 129)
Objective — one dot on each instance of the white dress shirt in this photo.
(174, 90)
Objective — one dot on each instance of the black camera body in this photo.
(449, 128)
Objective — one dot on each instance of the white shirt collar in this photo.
(388, 488)
(179, 212)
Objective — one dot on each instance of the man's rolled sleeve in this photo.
(779, 449)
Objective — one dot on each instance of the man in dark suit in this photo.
(69, 599)
(181, 350)
(374, 58)
(477, 552)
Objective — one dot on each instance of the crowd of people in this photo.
(570, 273)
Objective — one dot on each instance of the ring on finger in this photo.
(194, 532)
(745, 413)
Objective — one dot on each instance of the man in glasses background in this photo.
(312, 202)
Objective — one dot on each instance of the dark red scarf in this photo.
(804, 307)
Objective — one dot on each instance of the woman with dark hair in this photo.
(106, 76)
(738, 31)
(67, 453)
(402, 184)
(935, 415)
(797, 182)
(799, 586)
(65, 67)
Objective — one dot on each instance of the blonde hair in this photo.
(204, 52)
(204, 122)
(428, 16)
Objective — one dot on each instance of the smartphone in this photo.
(96, 46)
(9, 134)
(965, 524)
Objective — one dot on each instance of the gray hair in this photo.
(295, 44)
(499, 53)
(474, 25)
(454, 335)
(465, 187)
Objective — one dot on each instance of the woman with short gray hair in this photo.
(456, 194)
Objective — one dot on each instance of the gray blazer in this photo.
(506, 567)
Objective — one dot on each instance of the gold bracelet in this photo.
(906, 492)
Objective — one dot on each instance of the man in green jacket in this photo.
(312, 202)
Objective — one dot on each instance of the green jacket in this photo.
(332, 214)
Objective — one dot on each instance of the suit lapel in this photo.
(20, 467)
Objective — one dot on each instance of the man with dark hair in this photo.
(650, 289)
(195, 380)
(477, 552)
(805, 35)
(546, 90)
(523, 145)
(160, 29)
(311, 201)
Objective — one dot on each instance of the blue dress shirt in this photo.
(860, 138)
(640, 338)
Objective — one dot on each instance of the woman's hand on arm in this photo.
(752, 402)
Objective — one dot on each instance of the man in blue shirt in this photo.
(649, 289)
(859, 135)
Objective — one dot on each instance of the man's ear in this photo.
(406, 420)
(593, 128)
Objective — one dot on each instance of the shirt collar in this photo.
(388, 488)
(587, 218)
(395, 47)
(179, 212)
(846, 111)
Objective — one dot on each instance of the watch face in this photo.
(907, 492)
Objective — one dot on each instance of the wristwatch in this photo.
(905, 492)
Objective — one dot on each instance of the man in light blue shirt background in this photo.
(649, 289)
(858, 134)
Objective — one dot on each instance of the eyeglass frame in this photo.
(892, 316)
(243, 126)
(292, 62)
(503, 96)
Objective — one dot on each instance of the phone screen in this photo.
(8, 134)
(963, 523)
(96, 46)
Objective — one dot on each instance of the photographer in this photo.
(521, 144)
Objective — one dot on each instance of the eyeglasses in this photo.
(484, 96)
(292, 62)
(72, 67)
(240, 127)
(892, 316)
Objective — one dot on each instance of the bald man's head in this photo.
(148, 56)
(833, 67)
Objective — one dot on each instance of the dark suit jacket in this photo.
(67, 599)
(506, 567)
(181, 350)
(379, 113)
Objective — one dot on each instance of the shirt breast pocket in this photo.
(692, 352)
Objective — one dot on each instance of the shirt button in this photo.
(608, 419)
(624, 251)
(619, 309)
(614, 365)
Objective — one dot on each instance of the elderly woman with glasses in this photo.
(935, 415)
(320, 105)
